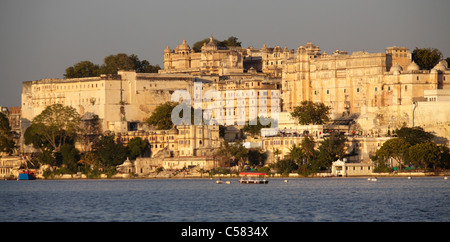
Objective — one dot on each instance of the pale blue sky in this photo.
(41, 38)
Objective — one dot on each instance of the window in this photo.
(357, 89)
(406, 88)
(328, 91)
(376, 88)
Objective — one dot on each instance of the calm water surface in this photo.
(202, 200)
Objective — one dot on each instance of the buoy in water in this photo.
(445, 178)
(285, 181)
(409, 177)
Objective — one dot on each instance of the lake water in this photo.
(202, 200)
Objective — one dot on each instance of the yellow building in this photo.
(358, 83)
(378, 91)
(212, 60)
(181, 141)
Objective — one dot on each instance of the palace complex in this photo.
(370, 95)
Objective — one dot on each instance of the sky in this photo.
(41, 38)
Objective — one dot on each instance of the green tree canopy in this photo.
(111, 65)
(334, 145)
(424, 154)
(296, 154)
(33, 136)
(395, 148)
(255, 130)
(137, 147)
(286, 166)
(311, 113)
(230, 42)
(426, 58)
(70, 157)
(305, 152)
(161, 117)
(414, 135)
(235, 153)
(256, 157)
(109, 152)
(329, 150)
(57, 124)
(7, 144)
(82, 69)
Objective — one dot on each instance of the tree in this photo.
(256, 157)
(395, 148)
(330, 149)
(230, 42)
(426, 58)
(444, 161)
(286, 166)
(143, 66)
(111, 65)
(82, 69)
(296, 154)
(70, 157)
(109, 152)
(90, 131)
(161, 116)
(137, 147)
(311, 113)
(255, 130)
(57, 124)
(414, 135)
(308, 147)
(334, 145)
(233, 153)
(7, 144)
(33, 136)
(425, 154)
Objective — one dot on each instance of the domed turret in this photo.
(396, 69)
(184, 46)
(167, 50)
(441, 66)
(413, 67)
(210, 46)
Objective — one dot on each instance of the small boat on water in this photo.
(253, 178)
(27, 175)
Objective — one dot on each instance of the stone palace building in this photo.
(374, 92)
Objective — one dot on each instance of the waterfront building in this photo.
(343, 168)
(371, 94)
(9, 166)
(184, 146)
